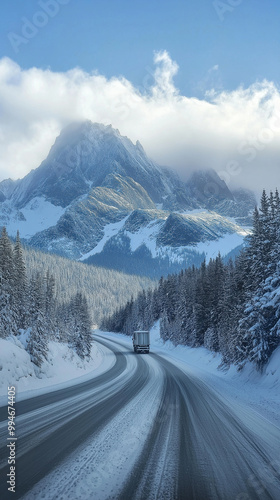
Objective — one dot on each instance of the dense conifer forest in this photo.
(28, 304)
(232, 308)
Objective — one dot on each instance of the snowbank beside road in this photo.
(62, 365)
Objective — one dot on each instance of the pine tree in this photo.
(228, 304)
(253, 253)
(255, 338)
(274, 251)
(217, 295)
(202, 305)
(85, 326)
(50, 308)
(266, 235)
(185, 307)
(8, 325)
(141, 306)
(79, 325)
(257, 326)
(20, 285)
(37, 342)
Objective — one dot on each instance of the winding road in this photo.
(143, 430)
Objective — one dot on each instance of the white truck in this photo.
(141, 341)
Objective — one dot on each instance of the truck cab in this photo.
(141, 341)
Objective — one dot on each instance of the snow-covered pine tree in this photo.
(50, 307)
(37, 345)
(257, 334)
(257, 326)
(164, 326)
(253, 255)
(85, 327)
(185, 306)
(273, 298)
(217, 295)
(202, 305)
(230, 307)
(8, 324)
(274, 223)
(267, 217)
(79, 325)
(130, 312)
(20, 285)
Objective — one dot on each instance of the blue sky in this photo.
(196, 81)
(241, 38)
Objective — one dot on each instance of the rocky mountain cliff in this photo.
(97, 196)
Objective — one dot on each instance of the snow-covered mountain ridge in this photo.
(98, 195)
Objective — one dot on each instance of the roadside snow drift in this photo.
(62, 365)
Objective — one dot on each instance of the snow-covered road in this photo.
(144, 429)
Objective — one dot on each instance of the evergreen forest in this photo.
(28, 303)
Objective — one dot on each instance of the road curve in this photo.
(193, 446)
(51, 426)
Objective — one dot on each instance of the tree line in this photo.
(29, 303)
(232, 308)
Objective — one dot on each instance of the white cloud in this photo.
(165, 71)
(237, 132)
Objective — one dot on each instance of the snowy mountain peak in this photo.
(89, 136)
(94, 178)
(83, 155)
